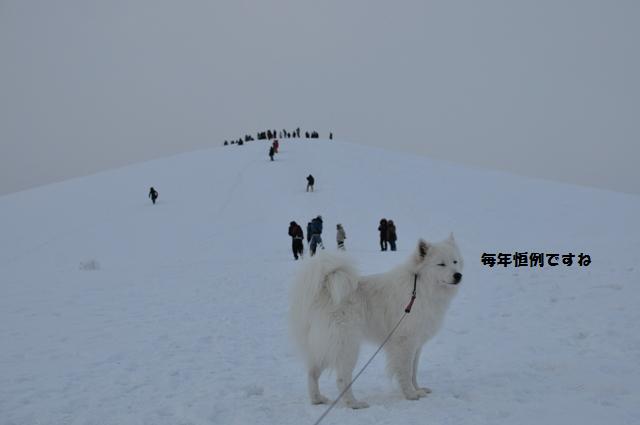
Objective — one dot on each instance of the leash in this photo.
(407, 310)
(413, 295)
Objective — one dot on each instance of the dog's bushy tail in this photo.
(323, 283)
(328, 272)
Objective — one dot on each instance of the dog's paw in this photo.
(423, 392)
(357, 404)
(411, 395)
(320, 399)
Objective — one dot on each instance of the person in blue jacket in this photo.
(316, 234)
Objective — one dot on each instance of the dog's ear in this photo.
(421, 251)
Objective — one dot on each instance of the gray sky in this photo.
(544, 88)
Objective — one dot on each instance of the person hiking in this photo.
(340, 236)
(153, 194)
(382, 228)
(391, 234)
(316, 234)
(310, 182)
(295, 231)
(271, 152)
(276, 145)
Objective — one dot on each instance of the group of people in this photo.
(286, 134)
(314, 237)
(282, 134)
(240, 141)
(388, 235)
(387, 229)
(273, 134)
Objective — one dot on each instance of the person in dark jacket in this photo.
(153, 194)
(382, 228)
(271, 152)
(295, 231)
(340, 236)
(310, 182)
(316, 235)
(391, 234)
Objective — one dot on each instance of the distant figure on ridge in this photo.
(153, 194)
(340, 236)
(272, 151)
(310, 182)
(382, 228)
(391, 234)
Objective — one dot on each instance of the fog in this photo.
(547, 89)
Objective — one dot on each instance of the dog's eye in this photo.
(442, 264)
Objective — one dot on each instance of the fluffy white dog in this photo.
(333, 310)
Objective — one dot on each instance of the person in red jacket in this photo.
(295, 231)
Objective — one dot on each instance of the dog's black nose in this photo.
(457, 277)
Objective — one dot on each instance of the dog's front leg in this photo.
(422, 392)
(401, 364)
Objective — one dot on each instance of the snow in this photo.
(117, 311)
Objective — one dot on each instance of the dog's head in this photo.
(439, 262)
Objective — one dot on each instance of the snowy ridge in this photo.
(116, 311)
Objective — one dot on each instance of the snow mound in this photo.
(188, 324)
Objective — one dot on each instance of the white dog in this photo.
(333, 310)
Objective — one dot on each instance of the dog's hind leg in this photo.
(313, 387)
(343, 381)
(401, 364)
(422, 392)
(347, 358)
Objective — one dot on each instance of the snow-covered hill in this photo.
(181, 315)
